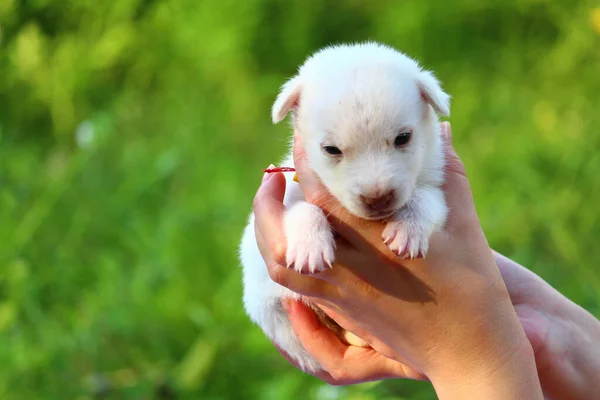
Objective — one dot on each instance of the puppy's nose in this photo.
(378, 203)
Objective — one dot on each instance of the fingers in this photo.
(324, 344)
(268, 226)
(318, 193)
(406, 371)
(269, 210)
(321, 374)
(344, 364)
(457, 189)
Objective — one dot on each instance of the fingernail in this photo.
(267, 175)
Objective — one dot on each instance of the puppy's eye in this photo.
(334, 151)
(402, 139)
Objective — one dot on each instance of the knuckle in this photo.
(326, 377)
(278, 253)
(278, 274)
(339, 375)
(454, 165)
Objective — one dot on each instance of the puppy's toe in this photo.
(311, 256)
(310, 240)
(405, 240)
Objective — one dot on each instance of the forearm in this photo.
(568, 347)
(569, 365)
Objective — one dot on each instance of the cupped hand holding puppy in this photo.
(447, 318)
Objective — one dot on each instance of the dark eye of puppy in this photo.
(334, 151)
(402, 139)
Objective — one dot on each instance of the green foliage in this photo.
(118, 268)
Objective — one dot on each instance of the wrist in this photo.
(492, 358)
(512, 378)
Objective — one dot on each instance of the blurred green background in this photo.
(132, 138)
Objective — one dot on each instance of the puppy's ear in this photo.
(432, 93)
(288, 99)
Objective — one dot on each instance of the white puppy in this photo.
(366, 115)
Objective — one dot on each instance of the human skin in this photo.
(564, 338)
(447, 318)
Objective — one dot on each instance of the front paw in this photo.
(310, 240)
(406, 239)
(311, 254)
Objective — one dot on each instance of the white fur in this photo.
(357, 98)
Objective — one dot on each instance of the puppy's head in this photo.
(367, 117)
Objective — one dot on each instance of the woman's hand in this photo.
(448, 317)
(343, 364)
(564, 337)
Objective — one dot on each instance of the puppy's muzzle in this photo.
(378, 203)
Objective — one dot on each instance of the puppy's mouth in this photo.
(381, 214)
